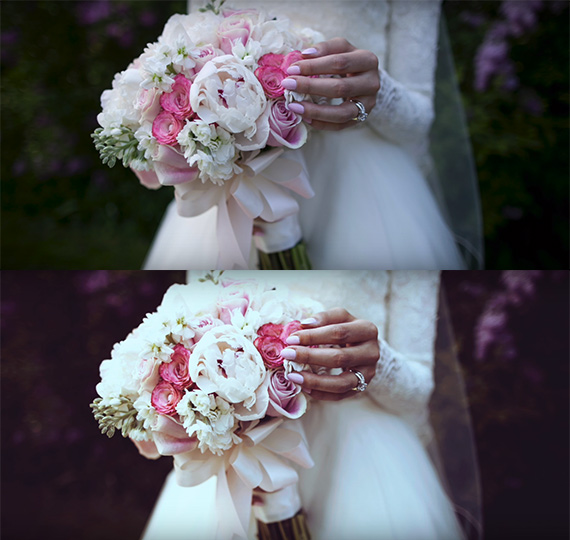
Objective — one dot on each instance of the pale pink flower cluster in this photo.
(210, 89)
(207, 366)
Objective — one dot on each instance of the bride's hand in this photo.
(359, 80)
(357, 349)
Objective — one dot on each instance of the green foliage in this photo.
(122, 416)
(113, 147)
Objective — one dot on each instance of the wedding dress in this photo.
(373, 208)
(372, 477)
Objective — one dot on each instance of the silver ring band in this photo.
(362, 114)
(362, 384)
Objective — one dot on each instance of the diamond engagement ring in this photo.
(362, 384)
(362, 114)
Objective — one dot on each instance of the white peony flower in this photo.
(228, 93)
(227, 363)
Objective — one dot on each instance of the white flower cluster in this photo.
(197, 91)
(194, 362)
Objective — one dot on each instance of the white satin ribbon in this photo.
(262, 190)
(261, 460)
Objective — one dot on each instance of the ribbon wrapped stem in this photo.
(295, 258)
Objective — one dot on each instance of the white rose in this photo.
(227, 363)
(228, 93)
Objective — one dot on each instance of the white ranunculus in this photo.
(227, 363)
(227, 93)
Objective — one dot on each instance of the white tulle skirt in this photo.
(372, 209)
(372, 480)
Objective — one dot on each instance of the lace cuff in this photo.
(401, 115)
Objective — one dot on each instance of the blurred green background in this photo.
(63, 209)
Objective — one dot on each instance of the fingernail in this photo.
(289, 84)
(296, 378)
(310, 50)
(296, 108)
(309, 321)
(294, 70)
(293, 340)
(289, 354)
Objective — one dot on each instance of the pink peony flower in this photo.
(270, 329)
(203, 55)
(203, 324)
(270, 349)
(166, 128)
(285, 127)
(270, 78)
(165, 397)
(176, 371)
(148, 103)
(235, 300)
(289, 329)
(285, 397)
(234, 28)
(178, 101)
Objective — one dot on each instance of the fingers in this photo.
(355, 331)
(343, 114)
(331, 46)
(365, 84)
(344, 358)
(335, 387)
(356, 61)
(330, 316)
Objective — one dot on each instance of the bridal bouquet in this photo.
(202, 109)
(202, 380)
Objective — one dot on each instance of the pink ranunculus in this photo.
(291, 58)
(270, 349)
(271, 330)
(234, 28)
(271, 59)
(285, 127)
(166, 128)
(270, 78)
(285, 397)
(165, 397)
(176, 371)
(178, 101)
(289, 329)
(235, 300)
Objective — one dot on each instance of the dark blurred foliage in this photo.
(512, 62)
(62, 479)
(63, 209)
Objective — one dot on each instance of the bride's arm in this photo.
(403, 382)
(404, 104)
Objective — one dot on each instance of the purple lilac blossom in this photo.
(93, 12)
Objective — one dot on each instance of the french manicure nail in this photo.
(296, 108)
(310, 50)
(289, 84)
(309, 321)
(296, 378)
(294, 70)
(289, 354)
(293, 340)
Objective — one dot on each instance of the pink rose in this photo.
(271, 59)
(176, 371)
(271, 330)
(270, 349)
(166, 128)
(289, 59)
(289, 329)
(270, 78)
(285, 397)
(148, 103)
(165, 397)
(285, 127)
(234, 300)
(178, 101)
(234, 28)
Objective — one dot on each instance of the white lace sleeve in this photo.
(404, 373)
(404, 105)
